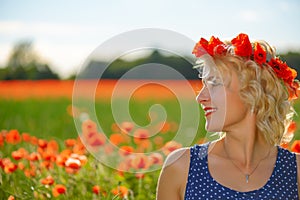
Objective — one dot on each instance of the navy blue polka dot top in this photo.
(281, 185)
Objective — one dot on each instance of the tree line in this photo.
(25, 64)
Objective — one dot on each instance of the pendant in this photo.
(247, 178)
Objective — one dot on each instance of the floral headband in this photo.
(242, 47)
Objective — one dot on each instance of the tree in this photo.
(25, 63)
(22, 55)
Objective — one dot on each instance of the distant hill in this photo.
(158, 66)
(154, 66)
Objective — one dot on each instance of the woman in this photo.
(246, 97)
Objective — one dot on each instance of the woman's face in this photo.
(221, 101)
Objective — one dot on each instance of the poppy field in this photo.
(43, 155)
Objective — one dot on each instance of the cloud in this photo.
(249, 16)
(5, 52)
(41, 28)
(63, 58)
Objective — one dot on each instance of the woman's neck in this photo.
(244, 144)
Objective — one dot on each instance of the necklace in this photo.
(247, 175)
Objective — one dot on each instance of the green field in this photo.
(49, 119)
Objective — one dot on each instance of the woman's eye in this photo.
(214, 82)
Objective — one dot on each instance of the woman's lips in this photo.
(209, 110)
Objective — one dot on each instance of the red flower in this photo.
(48, 180)
(293, 90)
(214, 46)
(10, 167)
(156, 158)
(1, 140)
(126, 150)
(200, 48)
(33, 156)
(292, 127)
(70, 142)
(127, 126)
(121, 191)
(283, 71)
(11, 197)
(260, 55)
(242, 45)
(140, 161)
(243, 48)
(221, 48)
(58, 190)
(171, 146)
(141, 135)
(96, 189)
(42, 143)
(73, 163)
(13, 137)
(296, 146)
(17, 155)
(26, 137)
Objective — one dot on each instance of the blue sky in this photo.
(64, 33)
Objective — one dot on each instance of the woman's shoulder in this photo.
(178, 157)
(181, 157)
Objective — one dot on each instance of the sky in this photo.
(65, 33)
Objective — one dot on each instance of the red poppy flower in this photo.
(10, 167)
(220, 49)
(121, 191)
(70, 142)
(260, 55)
(117, 138)
(33, 156)
(48, 180)
(42, 143)
(126, 150)
(200, 48)
(171, 146)
(11, 197)
(140, 135)
(1, 140)
(26, 137)
(13, 137)
(283, 71)
(242, 45)
(140, 161)
(127, 126)
(96, 189)
(73, 163)
(156, 158)
(17, 155)
(58, 190)
(296, 146)
(292, 127)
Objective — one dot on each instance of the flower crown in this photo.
(241, 46)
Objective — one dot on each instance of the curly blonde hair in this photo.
(262, 90)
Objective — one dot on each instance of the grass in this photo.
(51, 119)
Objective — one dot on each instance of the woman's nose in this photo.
(203, 95)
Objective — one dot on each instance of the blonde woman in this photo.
(246, 97)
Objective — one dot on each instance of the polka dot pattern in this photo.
(281, 185)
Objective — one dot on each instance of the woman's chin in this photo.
(211, 128)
